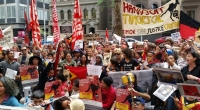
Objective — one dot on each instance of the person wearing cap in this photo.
(24, 57)
(108, 93)
(137, 103)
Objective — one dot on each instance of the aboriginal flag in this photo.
(188, 26)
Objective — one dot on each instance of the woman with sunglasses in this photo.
(118, 56)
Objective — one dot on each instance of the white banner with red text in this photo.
(137, 21)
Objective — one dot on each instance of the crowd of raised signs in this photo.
(182, 55)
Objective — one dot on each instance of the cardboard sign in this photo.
(92, 37)
(189, 90)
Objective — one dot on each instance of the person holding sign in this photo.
(8, 89)
(138, 103)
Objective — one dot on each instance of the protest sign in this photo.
(137, 21)
(116, 39)
(28, 73)
(169, 76)
(53, 89)
(8, 37)
(94, 70)
(90, 91)
(175, 36)
(189, 90)
(122, 99)
(11, 73)
(78, 44)
(106, 58)
(164, 91)
(92, 37)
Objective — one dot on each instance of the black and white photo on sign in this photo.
(176, 36)
(164, 91)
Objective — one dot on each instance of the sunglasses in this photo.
(117, 54)
(137, 103)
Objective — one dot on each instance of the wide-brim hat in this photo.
(33, 57)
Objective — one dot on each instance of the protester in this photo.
(137, 103)
(8, 89)
(24, 58)
(38, 98)
(37, 61)
(108, 93)
(62, 103)
(83, 61)
(77, 104)
(68, 61)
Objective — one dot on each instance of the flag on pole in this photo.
(26, 37)
(1, 33)
(106, 35)
(77, 29)
(56, 28)
(34, 24)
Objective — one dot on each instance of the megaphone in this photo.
(128, 79)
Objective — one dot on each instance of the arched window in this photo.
(140, 6)
(93, 13)
(69, 14)
(85, 11)
(154, 6)
(62, 16)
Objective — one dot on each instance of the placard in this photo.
(122, 99)
(11, 73)
(94, 70)
(176, 36)
(92, 37)
(189, 90)
(28, 72)
(197, 36)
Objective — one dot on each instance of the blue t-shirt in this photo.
(11, 101)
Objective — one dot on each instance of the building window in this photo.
(69, 14)
(191, 13)
(140, 6)
(40, 14)
(62, 15)
(2, 12)
(154, 6)
(11, 12)
(85, 12)
(22, 8)
(93, 13)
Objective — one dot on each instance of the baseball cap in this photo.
(137, 99)
(169, 52)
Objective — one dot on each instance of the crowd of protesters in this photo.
(181, 55)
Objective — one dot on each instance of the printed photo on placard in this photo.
(164, 91)
(122, 97)
(189, 90)
(169, 75)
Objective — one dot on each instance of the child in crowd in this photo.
(37, 98)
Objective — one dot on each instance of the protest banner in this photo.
(122, 99)
(7, 37)
(189, 90)
(92, 37)
(90, 91)
(144, 78)
(137, 21)
(53, 89)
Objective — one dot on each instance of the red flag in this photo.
(188, 26)
(1, 33)
(56, 28)
(77, 72)
(106, 35)
(35, 25)
(26, 39)
(77, 29)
